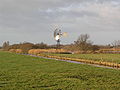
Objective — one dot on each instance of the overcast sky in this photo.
(35, 20)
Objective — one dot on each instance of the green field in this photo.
(115, 58)
(19, 72)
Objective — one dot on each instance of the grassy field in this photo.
(19, 72)
(97, 57)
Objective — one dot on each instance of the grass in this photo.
(115, 58)
(19, 72)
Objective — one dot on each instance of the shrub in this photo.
(19, 51)
(38, 51)
(12, 50)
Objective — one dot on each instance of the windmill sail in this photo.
(65, 34)
(55, 33)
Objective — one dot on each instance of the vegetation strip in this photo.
(109, 64)
(71, 61)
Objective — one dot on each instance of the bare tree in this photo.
(116, 43)
(83, 43)
(5, 45)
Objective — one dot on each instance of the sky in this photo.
(35, 20)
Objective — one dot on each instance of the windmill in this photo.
(57, 35)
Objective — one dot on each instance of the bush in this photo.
(38, 51)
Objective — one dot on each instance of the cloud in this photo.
(73, 16)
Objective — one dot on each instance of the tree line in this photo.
(25, 46)
(82, 45)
